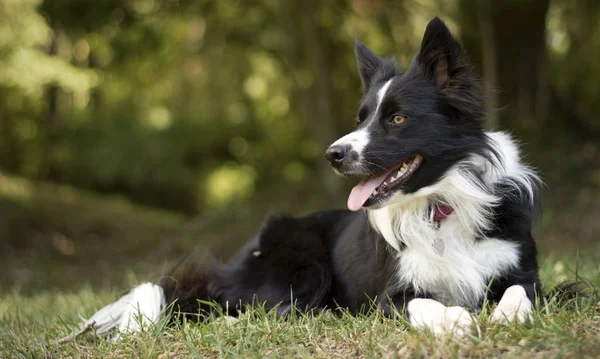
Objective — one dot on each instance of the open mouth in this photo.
(377, 189)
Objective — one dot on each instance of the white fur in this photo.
(459, 274)
(359, 139)
(512, 169)
(141, 307)
(381, 94)
(433, 315)
(514, 306)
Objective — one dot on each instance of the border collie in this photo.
(439, 223)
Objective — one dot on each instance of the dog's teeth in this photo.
(374, 192)
(406, 166)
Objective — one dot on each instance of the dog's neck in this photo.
(410, 219)
(468, 188)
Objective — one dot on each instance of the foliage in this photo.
(196, 105)
(573, 42)
(24, 65)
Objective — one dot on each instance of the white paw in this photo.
(514, 306)
(441, 320)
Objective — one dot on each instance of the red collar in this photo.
(440, 213)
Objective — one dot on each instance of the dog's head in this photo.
(412, 126)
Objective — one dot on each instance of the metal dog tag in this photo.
(438, 246)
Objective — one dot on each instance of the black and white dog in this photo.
(440, 222)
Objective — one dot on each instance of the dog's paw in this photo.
(441, 320)
(514, 306)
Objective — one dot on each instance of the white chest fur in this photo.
(458, 271)
(454, 262)
(460, 274)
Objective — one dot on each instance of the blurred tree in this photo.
(507, 39)
(28, 65)
(310, 58)
(574, 42)
(195, 105)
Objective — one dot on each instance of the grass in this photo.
(86, 237)
(29, 323)
(63, 252)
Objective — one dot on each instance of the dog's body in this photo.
(443, 216)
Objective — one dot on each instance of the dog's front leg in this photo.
(426, 313)
(515, 305)
(433, 315)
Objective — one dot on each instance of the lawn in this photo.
(29, 324)
(65, 253)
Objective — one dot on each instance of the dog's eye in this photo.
(398, 119)
(362, 115)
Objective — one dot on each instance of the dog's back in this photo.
(286, 263)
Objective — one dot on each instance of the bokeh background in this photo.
(133, 130)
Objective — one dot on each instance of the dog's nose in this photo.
(336, 154)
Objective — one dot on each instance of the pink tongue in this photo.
(361, 193)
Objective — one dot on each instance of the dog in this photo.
(439, 223)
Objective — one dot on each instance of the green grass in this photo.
(56, 236)
(63, 252)
(28, 324)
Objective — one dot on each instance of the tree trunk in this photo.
(510, 36)
(52, 116)
(520, 33)
(48, 170)
(95, 103)
(306, 52)
(489, 65)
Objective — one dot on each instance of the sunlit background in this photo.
(133, 130)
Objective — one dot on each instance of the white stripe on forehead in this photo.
(381, 94)
(359, 139)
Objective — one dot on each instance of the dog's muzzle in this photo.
(337, 155)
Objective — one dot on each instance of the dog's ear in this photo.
(368, 64)
(440, 52)
(442, 59)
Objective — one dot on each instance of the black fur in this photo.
(442, 99)
(324, 260)
(335, 259)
